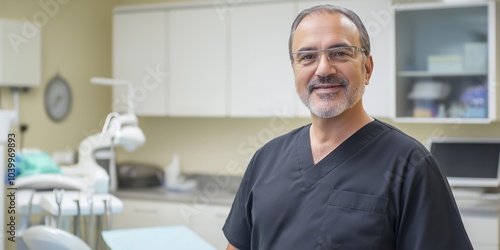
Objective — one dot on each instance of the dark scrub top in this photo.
(380, 189)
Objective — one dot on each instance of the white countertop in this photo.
(220, 197)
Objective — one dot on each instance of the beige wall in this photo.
(76, 44)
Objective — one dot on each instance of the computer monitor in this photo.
(468, 162)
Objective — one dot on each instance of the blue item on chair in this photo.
(36, 162)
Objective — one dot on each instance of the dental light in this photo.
(123, 129)
(97, 152)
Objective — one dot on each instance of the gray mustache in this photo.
(328, 79)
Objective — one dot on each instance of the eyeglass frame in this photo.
(320, 51)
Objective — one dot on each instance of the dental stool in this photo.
(45, 237)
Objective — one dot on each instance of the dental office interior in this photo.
(131, 123)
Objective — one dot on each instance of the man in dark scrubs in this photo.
(345, 181)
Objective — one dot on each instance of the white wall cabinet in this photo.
(205, 220)
(262, 82)
(197, 62)
(140, 55)
(175, 60)
(446, 62)
(20, 54)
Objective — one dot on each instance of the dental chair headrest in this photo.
(45, 237)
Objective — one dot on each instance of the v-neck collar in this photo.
(310, 173)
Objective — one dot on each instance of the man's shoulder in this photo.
(291, 135)
(402, 146)
(285, 141)
(396, 137)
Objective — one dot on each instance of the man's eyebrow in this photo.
(338, 45)
(330, 47)
(306, 49)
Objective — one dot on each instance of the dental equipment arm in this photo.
(118, 82)
(119, 130)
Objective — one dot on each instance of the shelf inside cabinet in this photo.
(445, 120)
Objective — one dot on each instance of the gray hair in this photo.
(331, 9)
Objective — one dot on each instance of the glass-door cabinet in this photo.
(445, 66)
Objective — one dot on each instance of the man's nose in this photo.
(324, 66)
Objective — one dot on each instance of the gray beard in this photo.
(329, 111)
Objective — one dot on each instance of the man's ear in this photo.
(368, 69)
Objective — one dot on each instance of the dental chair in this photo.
(45, 237)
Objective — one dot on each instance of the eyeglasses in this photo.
(334, 55)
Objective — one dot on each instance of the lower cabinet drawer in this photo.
(139, 213)
(208, 224)
(483, 228)
(482, 247)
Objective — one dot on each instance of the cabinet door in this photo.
(378, 18)
(208, 224)
(483, 227)
(262, 82)
(197, 62)
(139, 56)
(480, 247)
(20, 54)
(142, 213)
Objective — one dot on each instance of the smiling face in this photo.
(330, 87)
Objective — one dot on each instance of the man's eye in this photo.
(307, 57)
(341, 54)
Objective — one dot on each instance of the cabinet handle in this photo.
(146, 211)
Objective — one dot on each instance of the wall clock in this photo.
(58, 98)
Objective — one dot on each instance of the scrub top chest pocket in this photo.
(352, 221)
